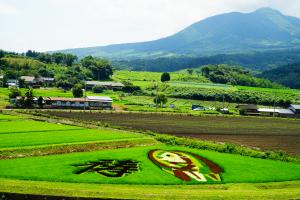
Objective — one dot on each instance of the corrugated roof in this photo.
(266, 110)
(247, 106)
(296, 106)
(276, 110)
(102, 99)
(28, 78)
(284, 111)
(65, 99)
(99, 83)
(117, 84)
(99, 98)
(47, 78)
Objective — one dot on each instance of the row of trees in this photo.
(239, 96)
(58, 58)
(235, 76)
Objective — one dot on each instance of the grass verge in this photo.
(282, 190)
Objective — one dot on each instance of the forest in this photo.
(65, 68)
(286, 75)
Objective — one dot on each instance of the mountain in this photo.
(261, 30)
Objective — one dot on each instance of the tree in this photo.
(98, 89)
(44, 57)
(14, 92)
(45, 72)
(205, 71)
(40, 102)
(131, 88)
(3, 82)
(160, 99)
(77, 90)
(64, 84)
(190, 71)
(165, 77)
(69, 59)
(32, 54)
(100, 68)
(22, 83)
(28, 100)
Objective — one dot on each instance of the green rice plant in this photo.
(62, 168)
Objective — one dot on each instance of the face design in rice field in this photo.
(109, 168)
(185, 165)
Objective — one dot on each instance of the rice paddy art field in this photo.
(64, 168)
(129, 169)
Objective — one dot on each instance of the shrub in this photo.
(77, 90)
(14, 92)
(165, 77)
(161, 99)
(98, 89)
(131, 88)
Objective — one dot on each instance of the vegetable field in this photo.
(264, 133)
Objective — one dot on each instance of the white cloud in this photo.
(59, 24)
(7, 9)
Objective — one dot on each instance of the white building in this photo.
(79, 103)
(108, 85)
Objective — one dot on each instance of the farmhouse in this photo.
(34, 81)
(107, 85)
(278, 112)
(30, 80)
(79, 103)
(248, 109)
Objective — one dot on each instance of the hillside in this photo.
(261, 30)
(255, 61)
(287, 75)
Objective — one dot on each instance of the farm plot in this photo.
(133, 166)
(20, 132)
(265, 133)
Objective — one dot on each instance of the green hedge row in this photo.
(225, 148)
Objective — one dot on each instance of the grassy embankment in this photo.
(276, 190)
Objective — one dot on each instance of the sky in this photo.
(45, 25)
